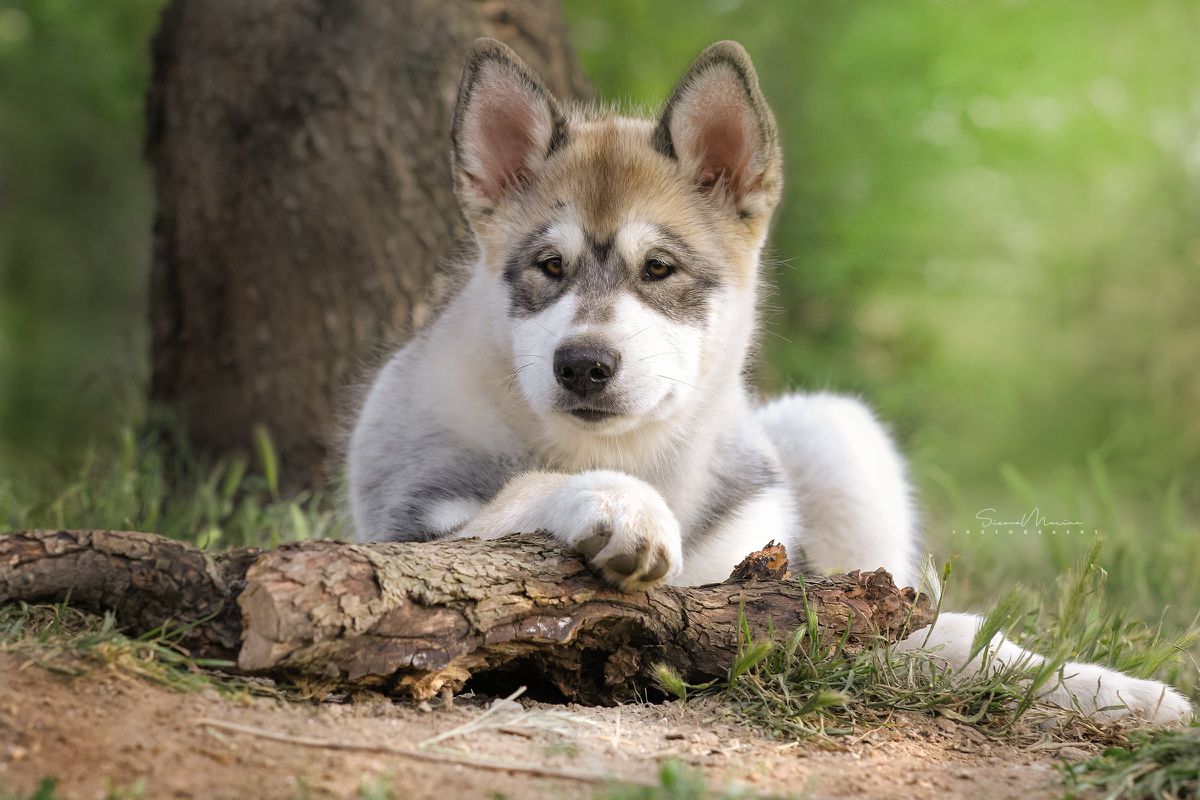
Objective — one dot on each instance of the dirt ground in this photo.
(105, 731)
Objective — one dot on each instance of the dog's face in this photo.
(626, 249)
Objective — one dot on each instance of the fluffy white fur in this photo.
(849, 480)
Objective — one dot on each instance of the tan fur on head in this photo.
(708, 168)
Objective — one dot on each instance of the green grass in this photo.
(1151, 534)
(805, 684)
(48, 790)
(377, 788)
(229, 504)
(1163, 765)
(70, 642)
(1147, 563)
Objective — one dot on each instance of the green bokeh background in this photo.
(991, 231)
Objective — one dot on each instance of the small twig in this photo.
(515, 732)
(507, 716)
(1051, 745)
(471, 725)
(433, 756)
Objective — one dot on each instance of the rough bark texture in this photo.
(412, 618)
(304, 198)
(144, 579)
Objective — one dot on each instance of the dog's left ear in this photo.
(718, 126)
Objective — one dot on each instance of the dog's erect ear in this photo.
(506, 124)
(717, 125)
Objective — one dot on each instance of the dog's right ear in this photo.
(506, 124)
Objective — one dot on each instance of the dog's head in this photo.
(625, 251)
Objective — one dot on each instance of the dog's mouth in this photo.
(592, 415)
(597, 414)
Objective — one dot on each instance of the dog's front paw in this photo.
(623, 527)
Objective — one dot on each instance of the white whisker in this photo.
(547, 330)
(510, 379)
(639, 333)
(685, 383)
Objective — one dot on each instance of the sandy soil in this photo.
(109, 730)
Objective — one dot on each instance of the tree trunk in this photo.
(304, 199)
(413, 618)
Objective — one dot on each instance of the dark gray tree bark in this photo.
(304, 199)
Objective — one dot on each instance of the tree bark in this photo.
(412, 618)
(304, 199)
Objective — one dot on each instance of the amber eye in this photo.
(552, 266)
(656, 269)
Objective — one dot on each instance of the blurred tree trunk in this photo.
(304, 199)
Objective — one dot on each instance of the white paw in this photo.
(1155, 702)
(622, 525)
(1109, 694)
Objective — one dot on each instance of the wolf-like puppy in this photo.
(588, 378)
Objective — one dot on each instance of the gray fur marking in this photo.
(601, 275)
(741, 475)
(471, 476)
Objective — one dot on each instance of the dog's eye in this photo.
(552, 266)
(656, 269)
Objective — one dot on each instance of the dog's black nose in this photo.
(584, 369)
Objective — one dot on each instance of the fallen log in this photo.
(412, 618)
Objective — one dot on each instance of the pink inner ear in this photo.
(503, 134)
(718, 133)
(726, 150)
(506, 133)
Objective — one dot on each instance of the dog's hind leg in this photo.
(851, 489)
(1089, 688)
